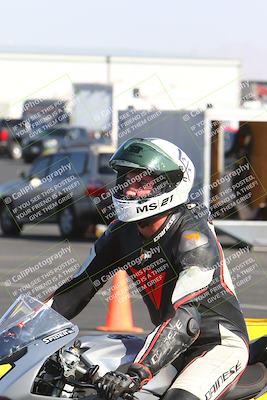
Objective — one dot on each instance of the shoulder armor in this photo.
(191, 240)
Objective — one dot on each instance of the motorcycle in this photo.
(42, 358)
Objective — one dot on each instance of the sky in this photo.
(226, 29)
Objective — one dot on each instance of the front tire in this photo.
(8, 225)
(68, 225)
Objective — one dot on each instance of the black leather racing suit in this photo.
(182, 264)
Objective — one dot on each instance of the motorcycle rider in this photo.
(169, 248)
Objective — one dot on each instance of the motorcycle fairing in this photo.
(113, 352)
(18, 383)
(262, 392)
(5, 369)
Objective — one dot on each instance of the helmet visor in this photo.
(138, 153)
(143, 184)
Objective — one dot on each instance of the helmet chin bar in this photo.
(133, 210)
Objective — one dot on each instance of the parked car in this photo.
(10, 139)
(69, 187)
(54, 139)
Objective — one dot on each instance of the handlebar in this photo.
(126, 396)
(83, 385)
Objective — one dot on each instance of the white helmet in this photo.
(172, 170)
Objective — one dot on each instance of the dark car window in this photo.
(76, 133)
(39, 168)
(50, 134)
(76, 159)
(61, 132)
(103, 164)
(11, 123)
(53, 133)
(58, 161)
(66, 134)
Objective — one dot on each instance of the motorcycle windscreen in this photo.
(26, 320)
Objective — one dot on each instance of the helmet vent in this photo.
(134, 149)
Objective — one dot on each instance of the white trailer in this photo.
(139, 82)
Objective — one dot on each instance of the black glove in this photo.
(114, 384)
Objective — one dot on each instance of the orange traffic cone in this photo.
(119, 317)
